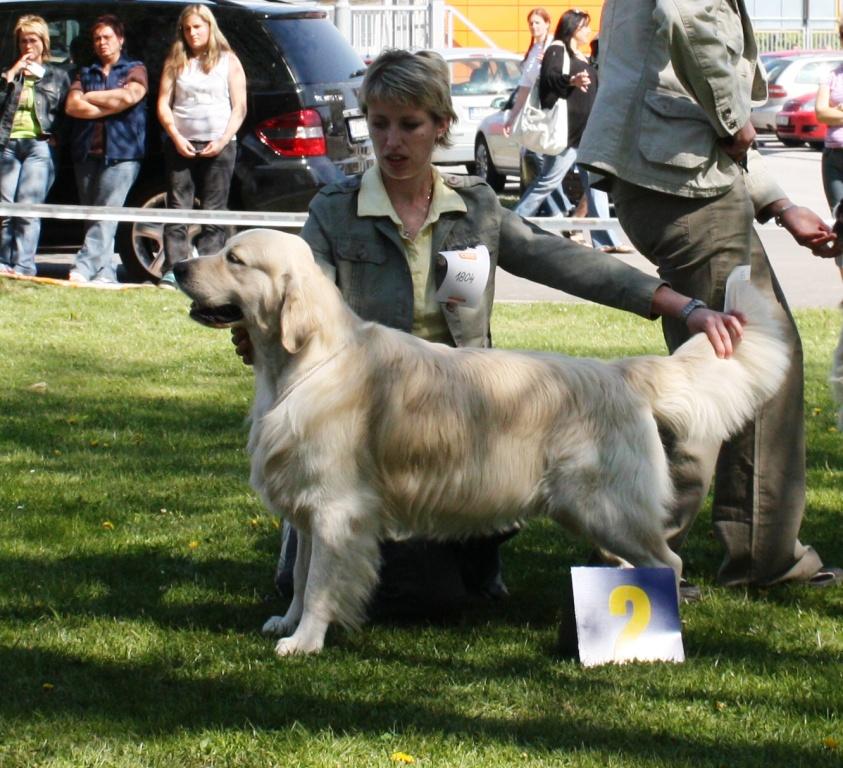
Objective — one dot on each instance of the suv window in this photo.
(317, 53)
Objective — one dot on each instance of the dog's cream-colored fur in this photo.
(361, 432)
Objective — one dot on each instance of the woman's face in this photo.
(403, 138)
(29, 44)
(538, 27)
(583, 34)
(107, 44)
(197, 33)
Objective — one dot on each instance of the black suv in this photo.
(300, 74)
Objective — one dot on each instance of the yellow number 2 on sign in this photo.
(632, 601)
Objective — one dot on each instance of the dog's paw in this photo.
(279, 626)
(292, 646)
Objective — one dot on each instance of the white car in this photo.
(789, 77)
(497, 156)
(479, 76)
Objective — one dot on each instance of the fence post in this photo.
(342, 18)
(436, 23)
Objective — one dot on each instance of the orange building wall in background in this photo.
(505, 21)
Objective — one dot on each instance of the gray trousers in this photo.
(759, 487)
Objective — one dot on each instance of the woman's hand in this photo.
(212, 148)
(581, 80)
(242, 344)
(183, 146)
(723, 329)
(18, 66)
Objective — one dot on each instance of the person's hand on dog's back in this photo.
(723, 329)
(242, 345)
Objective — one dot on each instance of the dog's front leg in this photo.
(342, 573)
(285, 625)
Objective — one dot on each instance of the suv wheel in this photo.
(485, 168)
(141, 243)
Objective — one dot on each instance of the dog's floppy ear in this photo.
(299, 320)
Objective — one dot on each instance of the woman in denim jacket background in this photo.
(30, 115)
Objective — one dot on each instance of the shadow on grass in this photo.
(148, 700)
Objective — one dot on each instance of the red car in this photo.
(796, 123)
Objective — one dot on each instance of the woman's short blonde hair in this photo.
(420, 80)
(31, 24)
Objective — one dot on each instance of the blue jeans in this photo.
(832, 167)
(106, 185)
(598, 208)
(548, 185)
(27, 171)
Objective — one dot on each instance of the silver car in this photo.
(790, 77)
(478, 77)
(497, 156)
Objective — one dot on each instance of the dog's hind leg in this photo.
(342, 574)
(285, 625)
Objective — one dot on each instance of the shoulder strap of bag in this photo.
(566, 59)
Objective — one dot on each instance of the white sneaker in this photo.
(77, 277)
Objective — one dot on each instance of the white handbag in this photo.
(544, 130)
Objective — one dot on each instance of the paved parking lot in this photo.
(807, 281)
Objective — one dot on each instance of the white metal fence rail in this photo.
(371, 27)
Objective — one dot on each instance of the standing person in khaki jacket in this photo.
(670, 132)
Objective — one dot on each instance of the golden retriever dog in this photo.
(360, 432)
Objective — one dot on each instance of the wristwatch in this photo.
(690, 307)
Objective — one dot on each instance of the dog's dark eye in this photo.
(232, 258)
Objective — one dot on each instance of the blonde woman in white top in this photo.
(201, 106)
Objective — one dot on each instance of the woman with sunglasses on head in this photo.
(575, 32)
(557, 80)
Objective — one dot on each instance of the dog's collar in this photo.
(310, 372)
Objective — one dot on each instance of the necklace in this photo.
(405, 232)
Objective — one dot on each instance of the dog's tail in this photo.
(699, 396)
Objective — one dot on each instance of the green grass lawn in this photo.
(136, 569)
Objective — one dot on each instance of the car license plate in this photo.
(782, 120)
(478, 113)
(358, 129)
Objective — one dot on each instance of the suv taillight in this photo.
(294, 134)
(776, 92)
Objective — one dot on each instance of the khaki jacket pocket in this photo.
(675, 131)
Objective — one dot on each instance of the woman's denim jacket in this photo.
(366, 259)
(50, 93)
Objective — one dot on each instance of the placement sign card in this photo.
(626, 614)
